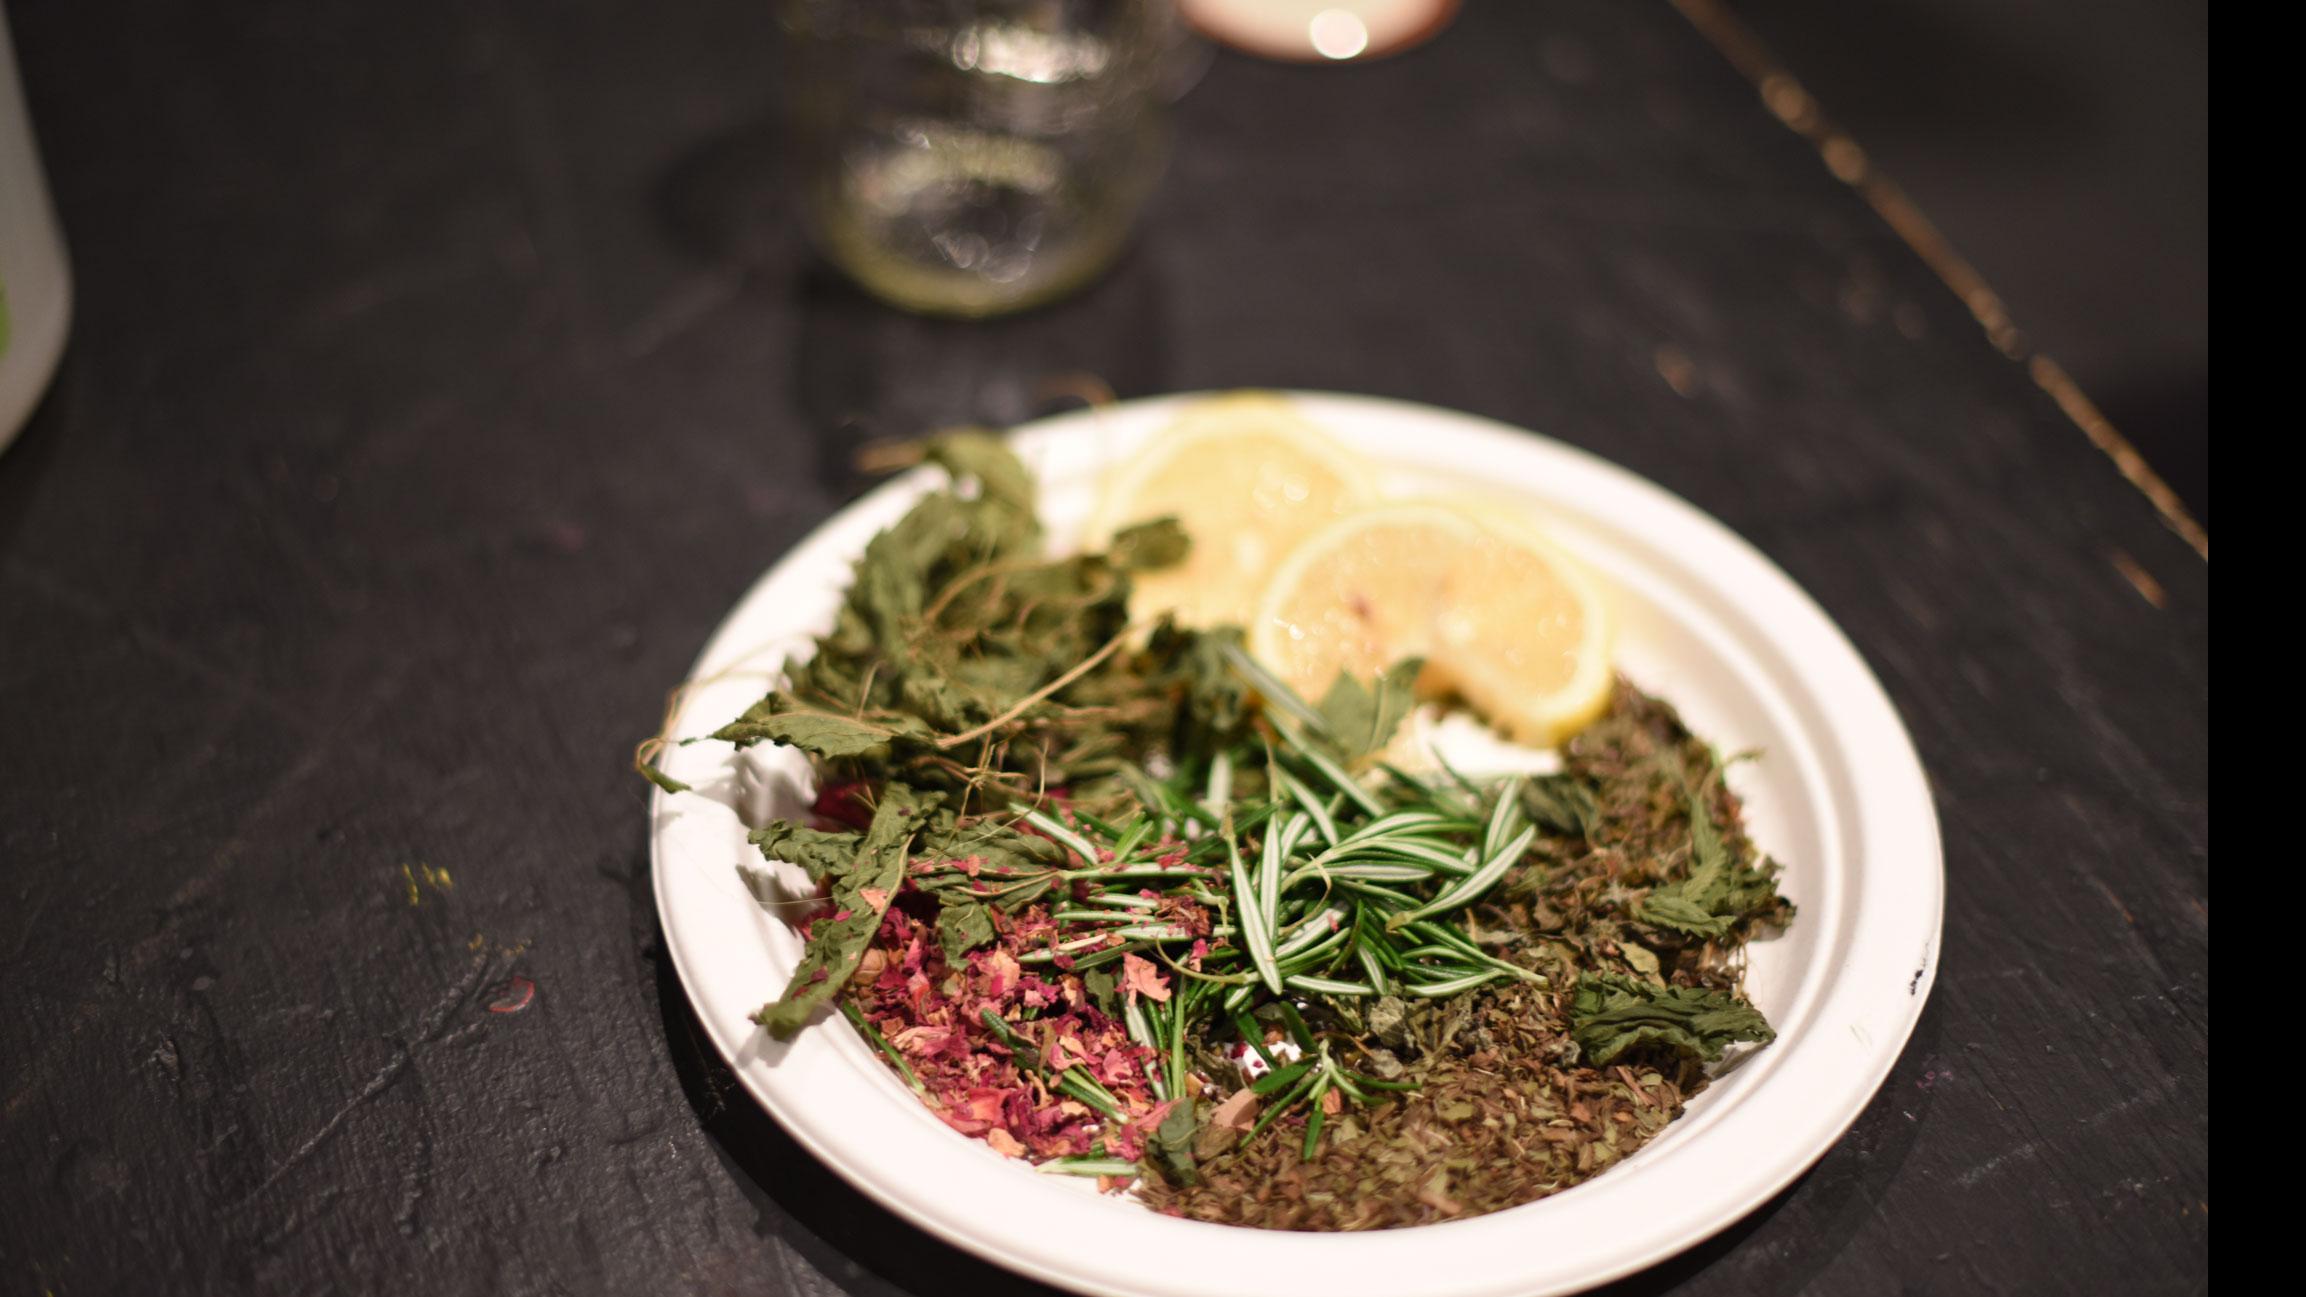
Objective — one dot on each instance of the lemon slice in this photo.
(1249, 478)
(1502, 617)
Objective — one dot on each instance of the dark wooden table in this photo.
(443, 371)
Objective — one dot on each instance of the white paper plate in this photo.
(1706, 622)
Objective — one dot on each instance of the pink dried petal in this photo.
(1118, 1067)
(1139, 977)
(1003, 973)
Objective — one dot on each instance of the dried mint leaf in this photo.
(1563, 803)
(1148, 546)
(1104, 986)
(1171, 1147)
(1611, 1014)
(1719, 891)
(1359, 718)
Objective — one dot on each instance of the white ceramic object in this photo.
(1706, 621)
(35, 280)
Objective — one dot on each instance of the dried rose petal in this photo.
(1141, 978)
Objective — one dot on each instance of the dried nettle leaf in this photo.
(778, 718)
(963, 925)
(861, 891)
(1001, 478)
(819, 852)
(962, 660)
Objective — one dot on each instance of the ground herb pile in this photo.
(1110, 898)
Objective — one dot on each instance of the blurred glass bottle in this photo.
(975, 157)
(35, 280)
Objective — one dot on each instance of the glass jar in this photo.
(975, 158)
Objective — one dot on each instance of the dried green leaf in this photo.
(819, 853)
(1359, 718)
(1148, 546)
(1389, 1020)
(1640, 959)
(1104, 986)
(1170, 1150)
(860, 892)
(962, 926)
(986, 458)
(996, 846)
(1673, 907)
(779, 718)
(1215, 698)
(943, 703)
(1611, 1014)
(1719, 892)
(661, 779)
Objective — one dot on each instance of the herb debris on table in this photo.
(1112, 899)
